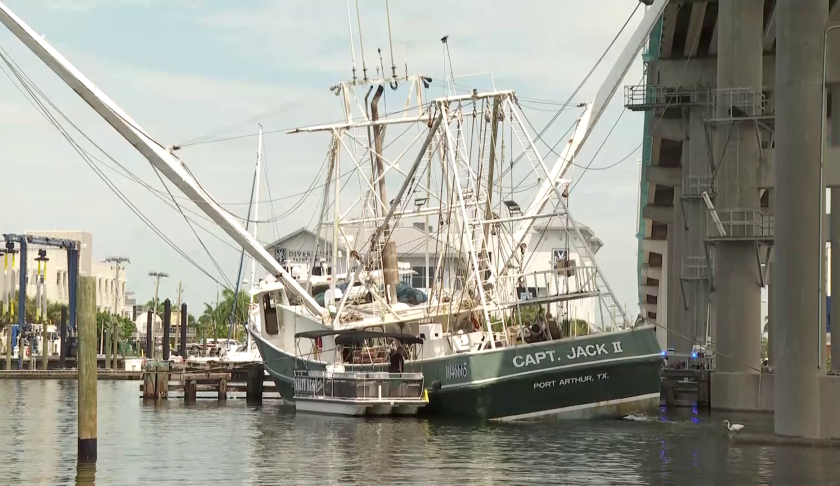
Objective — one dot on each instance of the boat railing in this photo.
(358, 385)
(569, 281)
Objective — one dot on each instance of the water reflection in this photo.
(234, 443)
(85, 474)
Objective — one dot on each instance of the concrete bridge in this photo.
(735, 137)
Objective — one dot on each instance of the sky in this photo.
(186, 69)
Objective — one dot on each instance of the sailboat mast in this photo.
(336, 217)
(159, 156)
(256, 203)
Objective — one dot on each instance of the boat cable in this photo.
(281, 109)
(268, 184)
(200, 241)
(610, 166)
(588, 75)
(568, 103)
(27, 84)
(288, 129)
(123, 171)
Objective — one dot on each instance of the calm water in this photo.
(234, 443)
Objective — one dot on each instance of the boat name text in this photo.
(309, 385)
(589, 350)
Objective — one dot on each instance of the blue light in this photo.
(664, 353)
(693, 355)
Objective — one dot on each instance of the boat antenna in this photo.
(361, 42)
(405, 60)
(352, 49)
(445, 41)
(391, 44)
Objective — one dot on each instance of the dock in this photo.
(68, 374)
(162, 381)
(175, 380)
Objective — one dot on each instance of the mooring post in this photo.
(189, 390)
(45, 355)
(149, 387)
(106, 344)
(167, 321)
(182, 345)
(86, 359)
(255, 383)
(162, 380)
(149, 336)
(115, 339)
(62, 349)
(222, 389)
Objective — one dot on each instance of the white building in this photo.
(110, 292)
(298, 248)
(547, 248)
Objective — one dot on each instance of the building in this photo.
(547, 249)
(110, 292)
(299, 247)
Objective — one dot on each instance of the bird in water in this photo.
(733, 427)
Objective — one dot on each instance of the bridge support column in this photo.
(799, 111)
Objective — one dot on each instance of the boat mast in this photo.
(587, 122)
(390, 271)
(159, 156)
(256, 202)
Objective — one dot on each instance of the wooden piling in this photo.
(106, 345)
(149, 387)
(256, 377)
(115, 339)
(182, 351)
(189, 391)
(150, 338)
(167, 321)
(45, 355)
(162, 380)
(222, 389)
(86, 325)
(62, 349)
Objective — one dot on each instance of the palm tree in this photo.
(151, 306)
(209, 320)
(232, 307)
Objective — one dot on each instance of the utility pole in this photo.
(118, 262)
(157, 276)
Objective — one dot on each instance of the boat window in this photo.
(270, 314)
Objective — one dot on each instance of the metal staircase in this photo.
(471, 200)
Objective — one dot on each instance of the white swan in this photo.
(733, 427)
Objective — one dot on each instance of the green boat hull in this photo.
(603, 375)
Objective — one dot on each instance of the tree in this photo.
(151, 306)
(209, 321)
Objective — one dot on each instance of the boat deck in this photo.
(359, 393)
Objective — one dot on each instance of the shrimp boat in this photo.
(340, 389)
(501, 341)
